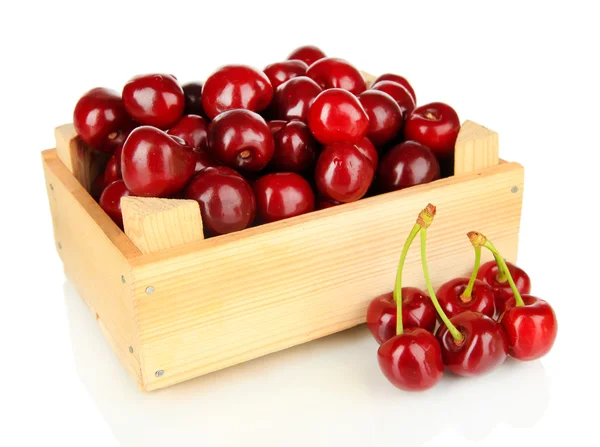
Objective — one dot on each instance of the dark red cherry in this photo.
(192, 130)
(276, 125)
(307, 54)
(481, 300)
(331, 72)
(489, 274)
(280, 72)
(293, 98)
(369, 151)
(400, 94)
(398, 79)
(407, 164)
(112, 172)
(203, 160)
(97, 187)
(154, 100)
(385, 116)
(226, 199)
(282, 195)
(295, 148)
(241, 139)
(193, 99)
(236, 87)
(434, 125)
(110, 201)
(325, 202)
(101, 121)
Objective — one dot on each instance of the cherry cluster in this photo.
(254, 146)
(483, 319)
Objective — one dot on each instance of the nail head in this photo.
(130, 350)
(514, 189)
(123, 279)
(149, 290)
(59, 245)
(159, 373)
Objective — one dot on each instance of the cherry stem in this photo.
(466, 295)
(504, 269)
(398, 285)
(501, 277)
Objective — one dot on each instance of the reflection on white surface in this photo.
(327, 392)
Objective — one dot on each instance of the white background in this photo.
(528, 70)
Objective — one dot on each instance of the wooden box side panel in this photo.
(85, 239)
(216, 304)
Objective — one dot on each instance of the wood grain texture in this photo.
(157, 224)
(369, 78)
(476, 148)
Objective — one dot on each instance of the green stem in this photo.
(501, 275)
(458, 337)
(398, 285)
(469, 290)
(504, 269)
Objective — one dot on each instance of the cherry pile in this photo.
(254, 146)
(483, 319)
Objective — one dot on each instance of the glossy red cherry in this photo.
(331, 72)
(411, 361)
(236, 87)
(398, 79)
(434, 125)
(280, 72)
(241, 139)
(110, 201)
(400, 94)
(385, 116)
(325, 202)
(308, 54)
(295, 148)
(226, 199)
(531, 329)
(369, 151)
(343, 172)
(101, 121)
(490, 274)
(337, 116)
(282, 195)
(192, 92)
(483, 347)
(481, 300)
(155, 164)
(97, 187)
(417, 312)
(112, 172)
(276, 125)
(203, 160)
(154, 100)
(407, 164)
(293, 98)
(192, 130)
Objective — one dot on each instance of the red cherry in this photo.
(343, 172)
(407, 164)
(531, 329)
(337, 116)
(400, 94)
(369, 151)
(236, 87)
(97, 187)
(435, 125)
(481, 300)
(411, 361)
(293, 98)
(280, 72)
(193, 99)
(295, 148)
(112, 172)
(331, 72)
(398, 79)
(385, 116)
(110, 200)
(192, 130)
(241, 139)
(276, 125)
(282, 195)
(417, 312)
(155, 164)
(325, 202)
(154, 100)
(101, 121)
(226, 199)
(308, 54)
(203, 160)
(489, 274)
(483, 347)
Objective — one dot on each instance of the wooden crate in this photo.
(174, 306)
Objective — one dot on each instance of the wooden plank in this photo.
(157, 224)
(222, 301)
(476, 148)
(369, 78)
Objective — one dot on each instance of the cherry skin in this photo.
(484, 345)
(337, 116)
(411, 361)
(400, 94)
(293, 98)
(325, 202)
(417, 312)
(407, 164)
(434, 125)
(282, 195)
(226, 200)
(331, 72)
(295, 148)
(112, 172)
(531, 329)
(97, 187)
(203, 160)
(193, 99)
(343, 172)
(280, 72)
(385, 116)
(308, 54)
(156, 164)
(236, 87)
(489, 272)
(154, 100)
(192, 130)
(398, 79)
(276, 125)
(101, 121)
(241, 139)
(481, 300)
(110, 201)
